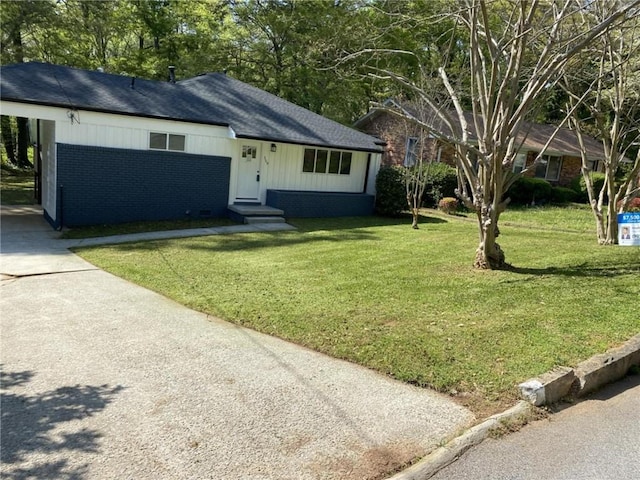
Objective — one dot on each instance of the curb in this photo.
(588, 376)
(546, 389)
(443, 456)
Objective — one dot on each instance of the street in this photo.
(595, 439)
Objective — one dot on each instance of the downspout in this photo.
(61, 208)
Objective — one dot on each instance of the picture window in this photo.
(333, 162)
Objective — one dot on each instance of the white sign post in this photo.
(629, 229)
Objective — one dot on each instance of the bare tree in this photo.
(516, 53)
(612, 100)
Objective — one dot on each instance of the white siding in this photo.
(283, 170)
(123, 131)
(48, 145)
(120, 131)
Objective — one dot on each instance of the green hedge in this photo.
(528, 191)
(391, 195)
(442, 181)
(563, 195)
(578, 185)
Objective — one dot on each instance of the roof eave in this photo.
(311, 144)
(112, 112)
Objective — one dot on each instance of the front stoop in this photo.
(255, 214)
(264, 220)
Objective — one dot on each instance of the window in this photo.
(410, 155)
(520, 162)
(549, 168)
(321, 161)
(166, 141)
(249, 151)
(326, 161)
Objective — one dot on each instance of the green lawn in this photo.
(407, 302)
(16, 189)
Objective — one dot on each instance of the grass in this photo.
(16, 189)
(140, 227)
(407, 302)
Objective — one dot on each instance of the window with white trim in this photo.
(410, 152)
(520, 162)
(166, 141)
(318, 160)
(549, 167)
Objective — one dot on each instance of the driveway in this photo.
(104, 379)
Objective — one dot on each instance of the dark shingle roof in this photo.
(213, 99)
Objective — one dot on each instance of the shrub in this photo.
(391, 195)
(528, 191)
(442, 181)
(563, 195)
(578, 185)
(634, 206)
(448, 205)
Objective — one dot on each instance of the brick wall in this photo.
(395, 132)
(320, 204)
(570, 169)
(110, 185)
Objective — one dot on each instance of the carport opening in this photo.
(21, 161)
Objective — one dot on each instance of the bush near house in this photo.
(448, 205)
(634, 206)
(442, 181)
(530, 191)
(578, 185)
(391, 195)
(561, 195)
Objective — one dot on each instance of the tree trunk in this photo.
(415, 213)
(23, 143)
(7, 139)
(489, 255)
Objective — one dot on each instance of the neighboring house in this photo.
(561, 161)
(115, 148)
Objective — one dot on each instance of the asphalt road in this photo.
(596, 439)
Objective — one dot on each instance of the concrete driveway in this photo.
(104, 379)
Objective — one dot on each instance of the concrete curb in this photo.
(443, 456)
(588, 376)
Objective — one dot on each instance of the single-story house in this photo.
(560, 165)
(115, 148)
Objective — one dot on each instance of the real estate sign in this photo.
(629, 228)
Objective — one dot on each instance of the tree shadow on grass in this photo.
(29, 423)
(319, 230)
(357, 223)
(583, 270)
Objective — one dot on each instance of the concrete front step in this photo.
(270, 219)
(255, 210)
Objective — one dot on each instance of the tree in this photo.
(18, 18)
(516, 52)
(611, 98)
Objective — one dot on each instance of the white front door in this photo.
(248, 185)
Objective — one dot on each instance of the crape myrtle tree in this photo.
(416, 168)
(515, 52)
(610, 108)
